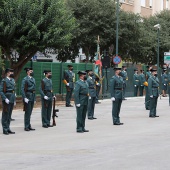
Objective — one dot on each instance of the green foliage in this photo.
(1, 60)
(33, 25)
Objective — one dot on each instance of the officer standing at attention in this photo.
(28, 87)
(81, 101)
(164, 78)
(46, 98)
(142, 80)
(136, 82)
(147, 98)
(68, 80)
(125, 78)
(92, 95)
(7, 92)
(116, 90)
(98, 87)
(153, 90)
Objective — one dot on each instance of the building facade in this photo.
(145, 8)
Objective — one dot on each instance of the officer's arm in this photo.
(150, 87)
(112, 87)
(2, 90)
(77, 93)
(23, 88)
(134, 80)
(65, 78)
(42, 85)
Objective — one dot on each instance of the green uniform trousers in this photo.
(116, 105)
(6, 116)
(153, 105)
(97, 93)
(81, 116)
(68, 96)
(91, 106)
(46, 111)
(28, 112)
(141, 88)
(147, 99)
(124, 89)
(136, 90)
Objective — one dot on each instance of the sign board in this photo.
(117, 59)
(167, 57)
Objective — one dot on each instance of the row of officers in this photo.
(28, 89)
(85, 90)
(139, 80)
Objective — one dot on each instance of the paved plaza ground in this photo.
(142, 143)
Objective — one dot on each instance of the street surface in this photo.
(142, 143)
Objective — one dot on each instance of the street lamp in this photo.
(117, 27)
(158, 26)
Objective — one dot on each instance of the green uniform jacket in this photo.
(124, 75)
(48, 90)
(81, 92)
(148, 74)
(10, 89)
(153, 85)
(164, 79)
(30, 83)
(68, 76)
(116, 87)
(142, 79)
(136, 79)
(91, 86)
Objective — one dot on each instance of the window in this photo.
(162, 4)
(167, 4)
(143, 3)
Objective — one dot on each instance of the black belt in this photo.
(83, 94)
(48, 91)
(10, 91)
(91, 87)
(118, 89)
(31, 91)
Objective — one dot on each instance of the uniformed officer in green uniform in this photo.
(47, 96)
(136, 82)
(28, 87)
(125, 78)
(147, 98)
(169, 86)
(142, 80)
(7, 92)
(153, 90)
(164, 78)
(81, 101)
(68, 80)
(92, 95)
(116, 90)
(98, 87)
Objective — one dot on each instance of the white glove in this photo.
(113, 99)
(164, 84)
(6, 101)
(151, 96)
(46, 97)
(15, 95)
(97, 84)
(77, 105)
(54, 97)
(14, 103)
(89, 97)
(67, 84)
(26, 100)
(34, 102)
(135, 85)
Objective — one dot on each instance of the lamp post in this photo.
(117, 28)
(157, 26)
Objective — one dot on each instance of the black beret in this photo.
(69, 66)
(47, 71)
(135, 69)
(152, 70)
(28, 69)
(117, 68)
(9, 70)
(87, 71)
(81, 73)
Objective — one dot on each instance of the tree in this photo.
(94, 17)
(28, 26)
